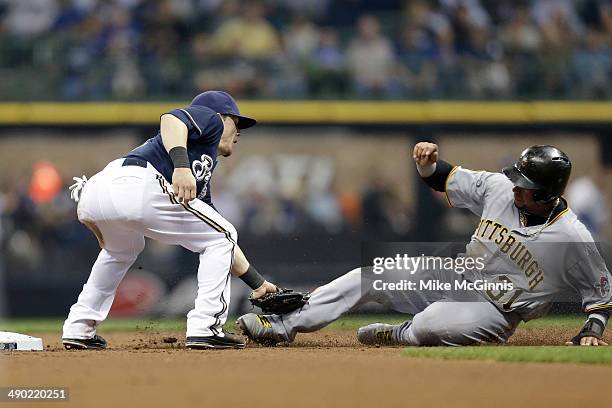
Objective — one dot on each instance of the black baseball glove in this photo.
(281, 302)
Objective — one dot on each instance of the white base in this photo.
(19, 342)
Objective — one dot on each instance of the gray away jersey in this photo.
(561, 258)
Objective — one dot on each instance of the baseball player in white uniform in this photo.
(527, 236)
(161, 190)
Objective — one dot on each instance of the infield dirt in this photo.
(328, 368)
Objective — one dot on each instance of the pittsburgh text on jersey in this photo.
(513, 248)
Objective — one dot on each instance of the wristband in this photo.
(178, 155)
(426, 171)
(252, 278)
(592, 328)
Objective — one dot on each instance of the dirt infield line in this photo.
(321, 369)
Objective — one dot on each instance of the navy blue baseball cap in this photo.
(223, 103)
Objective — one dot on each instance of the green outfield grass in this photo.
(531, 354)
(52, 325)
(351, 322)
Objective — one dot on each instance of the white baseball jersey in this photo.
(541, 265)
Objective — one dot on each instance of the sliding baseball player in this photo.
(529, 240)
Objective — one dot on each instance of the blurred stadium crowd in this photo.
(38, 225)
(391, 49)
(39, 231)
(81, 50)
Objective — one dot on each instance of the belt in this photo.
(134, 161)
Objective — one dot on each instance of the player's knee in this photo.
(442, 323)
(122, 256)
(126, 251)
(421, 333)
(351, 278)
(433, 326)
(356, 271)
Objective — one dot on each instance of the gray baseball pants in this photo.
(440, 317)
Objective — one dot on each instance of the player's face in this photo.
(523, 199)
(231, 135)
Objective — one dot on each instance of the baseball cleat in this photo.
(259, 329)
(377, 334)
(228, 341)
(95, 343)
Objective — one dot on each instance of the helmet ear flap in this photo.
(542, 197)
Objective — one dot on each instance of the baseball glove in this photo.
(281, 302)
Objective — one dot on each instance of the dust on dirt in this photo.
(327, 368)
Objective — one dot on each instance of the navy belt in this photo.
(134, 161)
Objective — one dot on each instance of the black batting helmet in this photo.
(543, 168)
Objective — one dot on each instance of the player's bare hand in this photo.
(589, 341)
(425, 153)
(184, 185)
(265, 288)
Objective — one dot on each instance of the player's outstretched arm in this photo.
(242, 269)
(174, 136)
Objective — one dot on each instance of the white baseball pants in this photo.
(124, 204)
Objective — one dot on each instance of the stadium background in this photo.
(342, 90)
